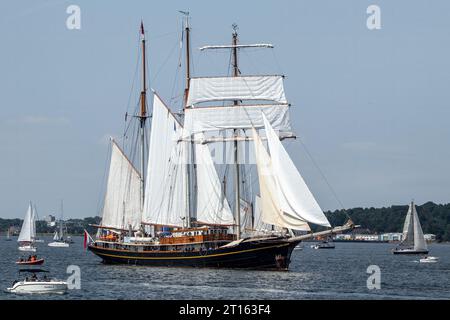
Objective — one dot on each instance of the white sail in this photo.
(27, 230)
(212, 205)
(268, 88)
(122, 200)
(165, 193)
(33, 223)
(55, 236)
(237, 117)
(408, 228)
(419, 239)
(295, 197)
(270, 204)
(260, 225)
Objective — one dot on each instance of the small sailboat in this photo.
(58, 237)
(8, 235)
(33, 284)
(28, 231)
(413, 241)
(58, 240)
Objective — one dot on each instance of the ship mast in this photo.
(234, 51)
(188, 49)
(143, 114)
(237, 205)
(190, 174)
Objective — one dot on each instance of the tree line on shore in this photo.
(72, 226)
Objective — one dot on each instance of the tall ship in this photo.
(215, 188)
(413, 240)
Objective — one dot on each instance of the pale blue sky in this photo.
(371, 106)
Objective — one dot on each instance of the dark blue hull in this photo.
(269, 254)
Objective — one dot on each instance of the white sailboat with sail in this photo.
(413, 240)
(28, 231)
(58, 237)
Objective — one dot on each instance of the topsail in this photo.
(264, 88)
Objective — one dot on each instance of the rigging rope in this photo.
(324, 178)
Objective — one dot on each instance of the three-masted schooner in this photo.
(188, 210)
(413, 240)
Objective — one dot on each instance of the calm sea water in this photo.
(314, 274)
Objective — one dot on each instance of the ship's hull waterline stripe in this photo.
(193, 257)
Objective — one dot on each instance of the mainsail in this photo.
(166, 186)
(408, 228)
(123, 193)
(212, 205)
(28, 230)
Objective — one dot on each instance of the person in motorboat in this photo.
(33, 284)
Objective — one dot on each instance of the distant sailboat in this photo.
(58, 237)
(8, 235)
(28, 231)
(413, 241)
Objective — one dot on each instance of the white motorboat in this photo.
(323, 246)
(326, 244)
(27, 248)
(39, 287)
(429, 260)
(58, 244)
(34, 285)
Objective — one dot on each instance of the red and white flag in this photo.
(87, 239)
